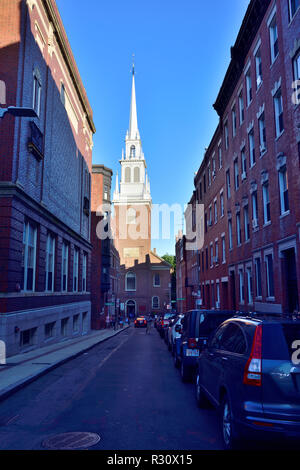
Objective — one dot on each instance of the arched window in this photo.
(136, 174)
(132, 151)
(155, 302)
(156, 280)
(131, 216)
(127, 175)
(130, 282)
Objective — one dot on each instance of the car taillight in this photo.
(192, 343)
(253, 369)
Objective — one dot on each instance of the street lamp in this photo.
(18, 112)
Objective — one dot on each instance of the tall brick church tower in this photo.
(145, 277)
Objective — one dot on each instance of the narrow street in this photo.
(126, 390)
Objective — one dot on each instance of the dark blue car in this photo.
(250, 370)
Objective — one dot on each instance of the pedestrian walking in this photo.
(107, 321)
(149, 324)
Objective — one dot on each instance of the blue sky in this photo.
(182, 51)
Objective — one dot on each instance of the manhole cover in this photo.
(71, 441)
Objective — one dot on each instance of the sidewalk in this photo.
(24, 368)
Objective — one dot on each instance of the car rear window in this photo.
(210, 322)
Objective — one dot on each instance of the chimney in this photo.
(154, 251)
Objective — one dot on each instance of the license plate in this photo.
(192, 352)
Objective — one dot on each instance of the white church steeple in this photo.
(134, 182)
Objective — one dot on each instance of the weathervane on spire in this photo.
(133, 64)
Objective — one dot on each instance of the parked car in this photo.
(250, 370)
(196, 328)
(164, 323)
(168, 329)
(140, 322)
(172, 333)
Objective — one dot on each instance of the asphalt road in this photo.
(126, 390)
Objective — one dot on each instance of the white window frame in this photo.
(234, 120)
(37, 93)
(278, 110)
(249, 87)
(50, 246)
(254, 206)
(258, 66)
(157, 305)
(230, 234)
(28, 226)
(131, 216)
(226, 134)
(249, 284)
(241, 286)
(283, 186)
(273, 33)
(238, 229)
(262, 133)
(65, 266)
(252, 156)
(236, 174)
(75, 269)
(247, 223)
(242, 107)
(84, 272)
(266, 201)
(291, 14)
(258, 286)
(223, 250)
(130, 274)
(266, 255)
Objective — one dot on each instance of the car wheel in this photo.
(201, 398)
(184, 372)
(229, 435)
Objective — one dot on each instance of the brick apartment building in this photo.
(249, 179)
(144, 277)
(44, 181)
(105, 258)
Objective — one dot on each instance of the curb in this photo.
(7, 392)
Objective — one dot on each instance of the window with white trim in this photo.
(75, 270)
(222, 204)
(130, 282)
(220, 156)
(266, 203)
(241, 107)
(252, 157)
(254, 209)
(249, 86)
(131, 216)
(296, 70)
(216, 211)
(228, 184)
(50, 263)
(155, 302)
(246, 223)
(249, 285)
(241, 285)
(258, 67)
(230, 234)
(234, 122)
(273, 39)
(223, 250)
(283, 190)
(29, 256)
(84, 272)
(293, 7)
(278, 109)
(211, 256)
(238, 228)
(37, 92)
(262, 133)
(65, 266)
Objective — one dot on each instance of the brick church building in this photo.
(144, 277)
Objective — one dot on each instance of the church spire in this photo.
(133, 125)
